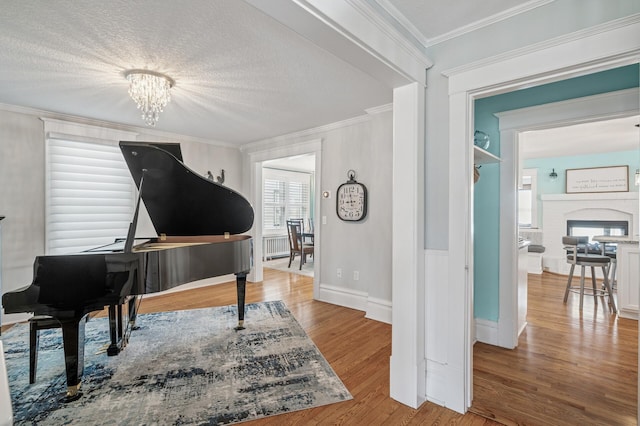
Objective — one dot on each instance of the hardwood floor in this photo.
(568, 369)
(357, 348)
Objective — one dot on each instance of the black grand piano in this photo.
(199, 225)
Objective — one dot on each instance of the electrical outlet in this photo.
(356, 275)
(339, 272)
(324, 220)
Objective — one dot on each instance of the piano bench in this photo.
(37, 323)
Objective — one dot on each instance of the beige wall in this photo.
(22, 189)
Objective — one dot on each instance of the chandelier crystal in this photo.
(151, 92)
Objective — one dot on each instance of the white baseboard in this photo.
(343, 297)
(375, 309)
(379, 310)
(486, 331)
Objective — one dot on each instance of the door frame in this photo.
(617, 104)
(255, 161)
(610, 45)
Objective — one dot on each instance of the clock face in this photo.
(351, 203)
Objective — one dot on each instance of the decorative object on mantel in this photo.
(553, 175)
(598, 179)
(481, 139)
(351, 199)
(151, 92)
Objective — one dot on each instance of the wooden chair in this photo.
(585, 259)
(296, 245)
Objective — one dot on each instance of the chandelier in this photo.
(150, 91)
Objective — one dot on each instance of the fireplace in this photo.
(591, 228)
(586, 215)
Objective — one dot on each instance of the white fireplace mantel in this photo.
(558, 208)
(592, 196)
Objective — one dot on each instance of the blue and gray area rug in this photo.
(180, 368)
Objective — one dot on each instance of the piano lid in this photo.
(180, 202)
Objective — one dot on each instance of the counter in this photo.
(627, 272)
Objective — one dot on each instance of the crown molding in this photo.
(379, 109)
(504, 15)
(355, 32)
(428, 42)
(557, 41)
(303, 134)
(50, 115)
(391, 31)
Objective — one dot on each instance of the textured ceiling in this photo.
(240, 75)
(620, 134)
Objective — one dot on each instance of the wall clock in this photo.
(351, 199)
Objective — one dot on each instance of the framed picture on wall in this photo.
(598, 179)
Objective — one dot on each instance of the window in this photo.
(528, 200)
(285, 195)
(89, 195)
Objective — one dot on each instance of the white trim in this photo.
(460, 334)
(616, 104)
(379, 309)
(379, 109)
(610, 44)
(353, 32)
(486, 331)
(341, 296)
(548, 62)
(427, 42)
(610, 105)
(590, 197)
(253, 179)
(407, 375)
(56, 116)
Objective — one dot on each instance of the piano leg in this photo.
(115, 330)
(73, 341)
(241, 283)
(133, 311)
(119, 330)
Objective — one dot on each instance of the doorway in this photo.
(562, 60)
(288, 193)
(257, 160)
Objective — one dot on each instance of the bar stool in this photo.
(574, 257)
(611, 271)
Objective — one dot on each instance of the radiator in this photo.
(275, 246)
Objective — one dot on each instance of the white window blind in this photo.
(285, 196)
(89, 198)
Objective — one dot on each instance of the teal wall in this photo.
(561, 164)
(486, 223)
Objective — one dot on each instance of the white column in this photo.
(458, 368)
(408, 312)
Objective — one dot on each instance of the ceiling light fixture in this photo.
(150, 91)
